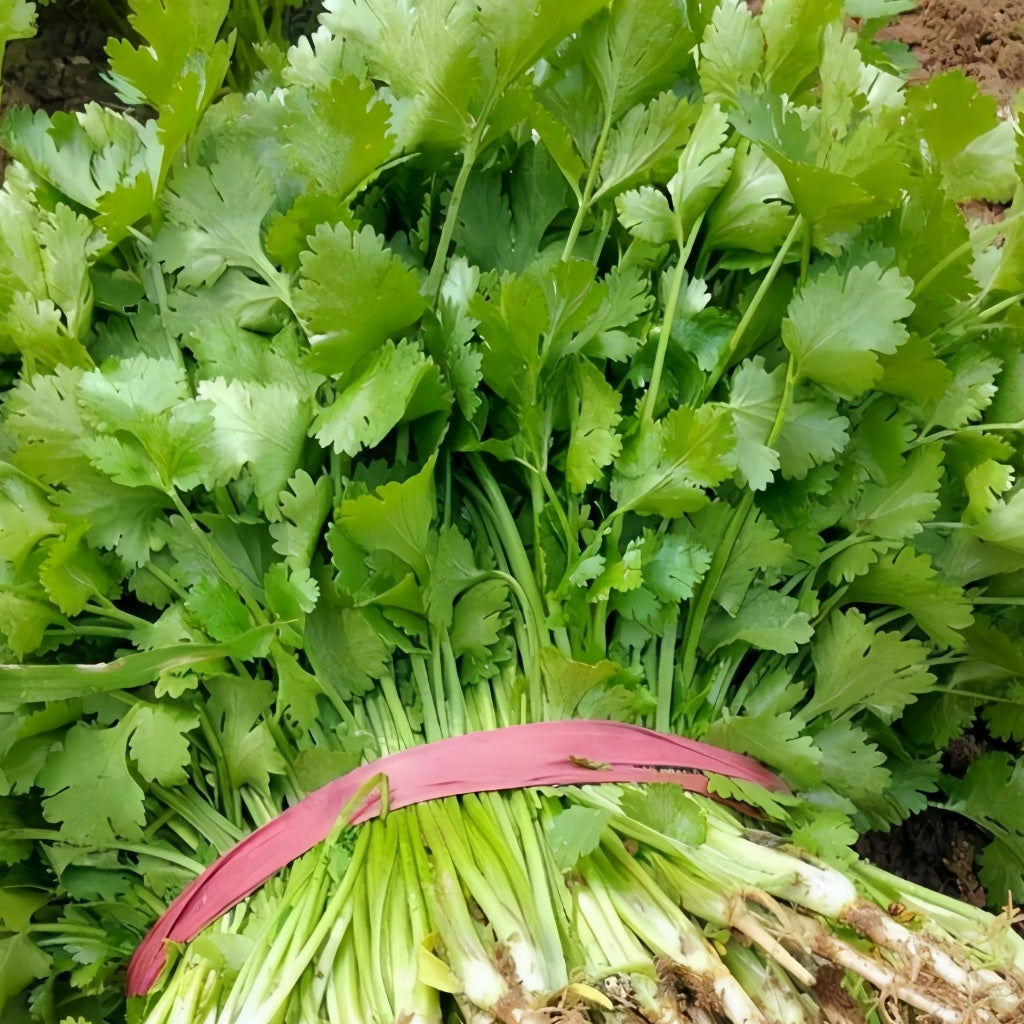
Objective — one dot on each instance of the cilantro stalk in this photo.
(732, 345)
(589, 186)
(699, 608)
(674, 290)
(434, 278)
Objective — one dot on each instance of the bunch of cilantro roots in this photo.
(490, 363)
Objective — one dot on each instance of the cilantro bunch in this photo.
(483, 364)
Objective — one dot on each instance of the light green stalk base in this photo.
(477, 910)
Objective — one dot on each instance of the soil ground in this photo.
(983, 38)
(60, 70)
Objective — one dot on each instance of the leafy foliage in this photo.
(482, 362)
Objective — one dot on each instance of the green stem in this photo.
(213, 826)
(469, 156)
(675, 288)
(970, 428)
(989, 231)
(994, 310)
(458, 716)
(666, 674)
(741, 328)
(167, 580)
(398, 715)
(588, 189)
(699, 610)
(106, 609)
(431, 722)
(227, 572)
(495, 506)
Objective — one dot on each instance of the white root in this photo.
(915, 948)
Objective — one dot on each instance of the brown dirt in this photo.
(935, 848)
(60, 68)
(983, 38)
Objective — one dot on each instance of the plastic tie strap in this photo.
(561, 753)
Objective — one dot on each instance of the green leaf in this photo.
(574, 833)
(907, 580)
(645, 144)
(616, 50)
(122, 519)
(343, 328)
(337, 136)
(752, 210)
(704, 167)
(249, 755)
(678, 563)
(666, 808)
(897, 510)
(208, 230)
(950, 112)
(17, 21)
(666, 465)
(159, 743)
(305, 506)
(986, 168)
(524, 30)
(147, 429)
(777, 739)
(811, 433)
(89, 789)
(23, 622)
(836, 183)
(732, 52)
(396, 517)
(858, 669)
(511, 324)
(347, 653)
(759, 550)
(835, 326)
(991, 794)
(792, 33)
(970, 390)
(26, 516)
(218, 609)
(854, 767)
(914, 372)
(262, 427)
(502, 223)
(453, 568)
(619, 574)
(73, 574)
(479, 619)
(106, 162)
(594, 440)
(645, 213)
(21, 963)
(767, 620)
(179, 67)
(1004, 524)
(567, 681)
(428, 55)
(449, 338)
(291, 592)
(383, 395)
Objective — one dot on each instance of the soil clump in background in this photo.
(983, 38)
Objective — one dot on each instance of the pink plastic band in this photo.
(514, 757)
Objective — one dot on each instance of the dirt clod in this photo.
(983, 38)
